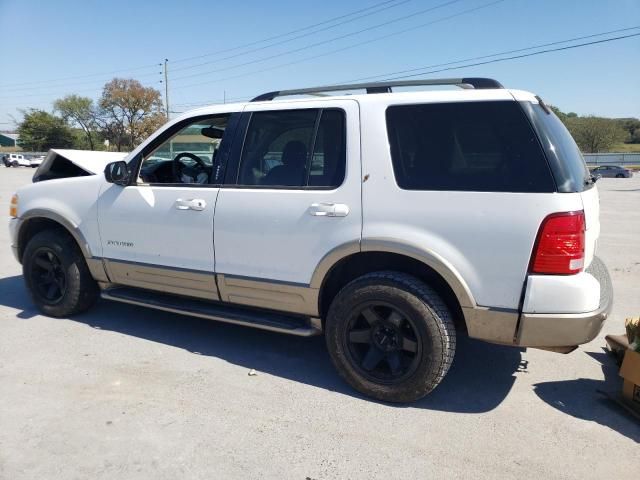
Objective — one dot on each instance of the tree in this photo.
(129, 112)
(561, 115)
(595, 134)
(632, 127)
(40, 131)
(80, 112)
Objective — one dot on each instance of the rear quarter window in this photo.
(466, 146)
(565, 159)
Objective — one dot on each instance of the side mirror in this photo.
(117, 172)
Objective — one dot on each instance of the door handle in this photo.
(329, 210)
(197, 204)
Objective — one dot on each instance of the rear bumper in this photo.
(568, 329)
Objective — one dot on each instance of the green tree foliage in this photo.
(595, 134)
(40, 131)
(632, 127)
(599, 134)
(81, 113)
(129, 112)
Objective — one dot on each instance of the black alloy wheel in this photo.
(57, 275)
(382, 343)
(48, 276)
(390, 336)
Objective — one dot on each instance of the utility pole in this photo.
(166, 87)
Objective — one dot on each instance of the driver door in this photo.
(157, 232)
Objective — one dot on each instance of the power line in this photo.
(514, 57)
(359, 17)
(348, 47)
(61, 79)
(50, 93)
(323, 42)
(540, 52)
(275, 37)
(28, 85)
(507, 52)
(66, 84)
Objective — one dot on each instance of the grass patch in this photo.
(626, 148)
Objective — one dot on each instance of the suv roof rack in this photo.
(385, 87)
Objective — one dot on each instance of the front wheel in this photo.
(390, 336)
(57, 275)
(620, 175)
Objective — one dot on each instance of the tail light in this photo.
(559, 248)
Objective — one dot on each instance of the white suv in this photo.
(16, 160)
(390, 221)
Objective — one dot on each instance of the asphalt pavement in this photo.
(131, 393)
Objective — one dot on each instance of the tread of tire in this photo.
(85, 297)
(433, 302)
(444, 332)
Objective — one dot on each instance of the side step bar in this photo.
(275, 322)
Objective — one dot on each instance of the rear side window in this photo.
(569, 168)
(468, 146)
(294, 149)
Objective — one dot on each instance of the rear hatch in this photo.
(569, 168)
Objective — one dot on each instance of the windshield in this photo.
(565, 159)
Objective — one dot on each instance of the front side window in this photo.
(468, 146)
(294, 149)
(188, 155)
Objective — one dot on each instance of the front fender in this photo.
(70, 202)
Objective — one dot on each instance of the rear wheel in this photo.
(619, 175)
(390, 336)
(57, 275)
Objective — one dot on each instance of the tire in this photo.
(14, 164)
(420, 332)
(57, 275)
(620, 175)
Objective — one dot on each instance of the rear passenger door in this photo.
(291, 196)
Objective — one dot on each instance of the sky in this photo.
(236, 50)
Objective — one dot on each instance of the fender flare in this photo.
(429, 258)
(95, 265)
(70, 226)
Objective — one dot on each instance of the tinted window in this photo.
(294, 148)
(329, 155)
(569, 168)
(473, 146)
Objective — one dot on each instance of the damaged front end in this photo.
(61, 163)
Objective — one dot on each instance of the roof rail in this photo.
(385, 87)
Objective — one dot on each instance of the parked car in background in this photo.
(612, 171)
(17, 160)
(36, 161)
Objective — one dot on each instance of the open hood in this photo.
(61, 163)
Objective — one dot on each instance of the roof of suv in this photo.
(470, 89)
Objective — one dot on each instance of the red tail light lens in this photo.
(559, 248)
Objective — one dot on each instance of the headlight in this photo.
(13, 206)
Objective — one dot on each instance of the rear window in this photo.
(470, 146)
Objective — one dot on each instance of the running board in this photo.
(275, 322)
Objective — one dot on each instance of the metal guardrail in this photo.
(612, 158)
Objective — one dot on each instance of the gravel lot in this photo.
(126, 392)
